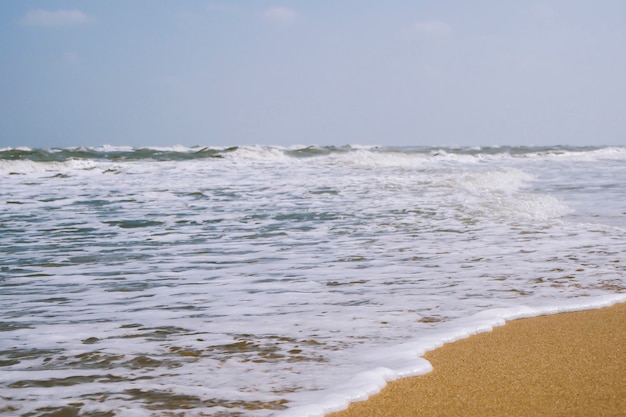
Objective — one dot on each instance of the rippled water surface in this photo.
(252, 280)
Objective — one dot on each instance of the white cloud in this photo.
(433, 28)
(280, 15)
(58, 18)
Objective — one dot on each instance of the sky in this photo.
(243, 72)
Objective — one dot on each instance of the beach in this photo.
(570, 364)
(155, 281)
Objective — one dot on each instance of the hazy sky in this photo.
(157, 72)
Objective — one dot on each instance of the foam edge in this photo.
(405, 360)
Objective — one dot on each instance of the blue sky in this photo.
(141, 73)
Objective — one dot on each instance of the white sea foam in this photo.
(260, 278)
(259, 153)
(34, 167)
(110, 148)
(406, 361)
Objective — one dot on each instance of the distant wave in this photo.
(113, 153)
(180, 153)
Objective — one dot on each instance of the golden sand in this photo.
(571, 364)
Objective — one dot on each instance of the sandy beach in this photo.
(571, 364)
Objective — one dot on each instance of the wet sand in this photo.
(571, 364)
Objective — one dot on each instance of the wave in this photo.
(405, 360)
(116, 153)
(110, 153)
(24, 159)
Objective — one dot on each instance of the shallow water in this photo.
(261, 280)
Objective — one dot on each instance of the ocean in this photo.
(283, 281)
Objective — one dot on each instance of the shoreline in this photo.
(564, 364)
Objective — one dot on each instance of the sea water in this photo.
(258, 281)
